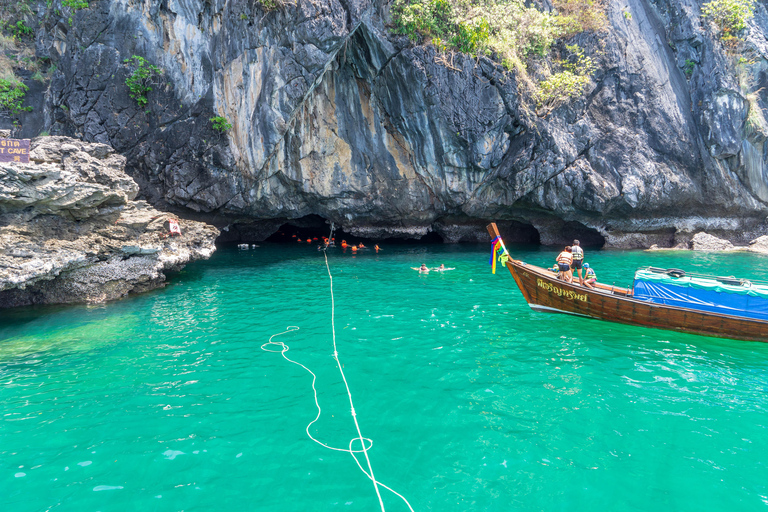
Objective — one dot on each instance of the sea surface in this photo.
(473, 402)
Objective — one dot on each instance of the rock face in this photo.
(332, 116)
(71, 231)
(706, 242)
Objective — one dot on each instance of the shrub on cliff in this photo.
(141, 79)
(220, 124)
(730, 16)
(507, 30)
(423, 18)
(12, 93)
(567, 83)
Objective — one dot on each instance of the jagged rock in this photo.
(332, 115)
(759, 244)
(706, 242)
(71, 231)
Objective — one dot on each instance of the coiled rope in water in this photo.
(363, 440)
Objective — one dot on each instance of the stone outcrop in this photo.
(72, 231)
(335, 117)
(706, 242)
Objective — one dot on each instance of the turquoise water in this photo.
(166, 402)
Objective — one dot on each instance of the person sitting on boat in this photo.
(590, 278)
(555, 269)
(578, 259)
(564, 260)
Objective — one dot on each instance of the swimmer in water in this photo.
(423, 269)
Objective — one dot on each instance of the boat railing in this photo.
(729, 280)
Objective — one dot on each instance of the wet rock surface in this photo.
(334, 116)
(72, 231)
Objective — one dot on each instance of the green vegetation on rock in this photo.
(509, 31)
(567, 83)
(12, 92)
(270, 5)
(74, 6)
(220, 124)
(730, 16)
(141, 79)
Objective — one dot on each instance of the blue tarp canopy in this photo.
(703, 294)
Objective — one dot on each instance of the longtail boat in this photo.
(723, 307)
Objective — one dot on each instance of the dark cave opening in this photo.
(587, 237)
(312, 228)
(515, 232)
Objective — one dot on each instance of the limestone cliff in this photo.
(71, 231)
(335, 117)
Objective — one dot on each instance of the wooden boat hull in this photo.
(544, 292)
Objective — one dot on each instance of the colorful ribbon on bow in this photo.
(496, 246)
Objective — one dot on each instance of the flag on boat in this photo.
(497, 247)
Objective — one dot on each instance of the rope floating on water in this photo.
(363, 440)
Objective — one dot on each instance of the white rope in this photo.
(363, 448)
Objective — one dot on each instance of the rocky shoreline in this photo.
(709, 243)
(71, 230)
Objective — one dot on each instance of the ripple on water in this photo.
(474, 402)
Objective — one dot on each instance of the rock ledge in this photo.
(71, 230)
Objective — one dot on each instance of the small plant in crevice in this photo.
(74, 6)
(142, 78)
(688, 68)
(220, 124)
(12, 93)
(270, 5)
(20, 29)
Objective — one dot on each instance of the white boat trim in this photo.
(538, 307)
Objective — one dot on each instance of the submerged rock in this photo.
(72, 231)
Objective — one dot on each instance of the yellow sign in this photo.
(568, 294)
(14, 150)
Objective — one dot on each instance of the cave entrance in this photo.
(514, 232)
(312, 229)
(587, 237)
(308, 229)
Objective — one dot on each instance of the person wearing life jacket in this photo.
(590, 278)
(344, 244)
(360, 246)
(354, 248)
(376, 247)
(578, 259)
(564, 260)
